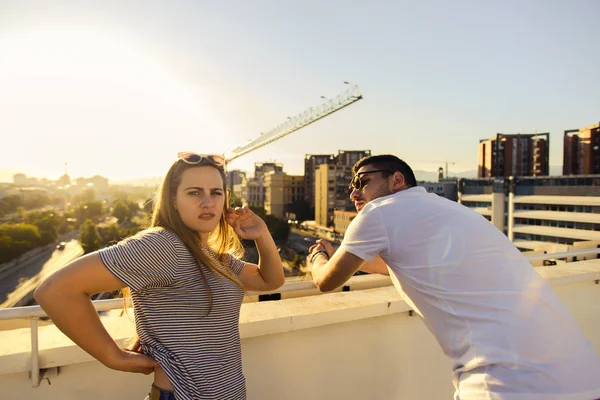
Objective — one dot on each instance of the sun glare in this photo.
(96, 101)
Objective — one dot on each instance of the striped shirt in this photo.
(200, 353)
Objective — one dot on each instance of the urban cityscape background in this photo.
(513, 190)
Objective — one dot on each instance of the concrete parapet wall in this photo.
(348, 345)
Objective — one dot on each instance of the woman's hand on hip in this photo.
(130, 361)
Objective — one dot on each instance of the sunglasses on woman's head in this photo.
(195, 158)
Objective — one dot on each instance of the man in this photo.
(506, 333)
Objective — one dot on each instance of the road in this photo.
(31, 273)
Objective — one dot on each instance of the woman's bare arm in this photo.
(65, 296)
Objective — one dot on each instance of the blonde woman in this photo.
(186, 282)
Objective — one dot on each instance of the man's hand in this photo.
(322, 245)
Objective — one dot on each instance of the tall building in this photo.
(350, 157)
(331, 192)
(514, 155)
(281, 190)
(331, 185)
(581, 151)
(343, 163)
(311, 164)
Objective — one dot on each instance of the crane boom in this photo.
(306, 117)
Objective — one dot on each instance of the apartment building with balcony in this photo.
(581, 151)
(514, 155)
(536, 212)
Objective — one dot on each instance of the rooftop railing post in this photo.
(35, 361)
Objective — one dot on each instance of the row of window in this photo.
(542, 238)
(558, 224)
(477, 204)
(564, 208)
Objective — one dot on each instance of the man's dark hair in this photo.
(390, 163)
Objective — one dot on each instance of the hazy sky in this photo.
(117, 88)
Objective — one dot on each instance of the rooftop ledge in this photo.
(256, 319)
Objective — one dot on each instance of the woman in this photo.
(186, 283)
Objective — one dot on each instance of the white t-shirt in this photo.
(507, 334)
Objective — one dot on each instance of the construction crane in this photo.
(305, 118)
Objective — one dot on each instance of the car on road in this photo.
(61, 246)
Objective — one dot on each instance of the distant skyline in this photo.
(116, 89)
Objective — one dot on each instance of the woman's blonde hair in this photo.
(222, 241)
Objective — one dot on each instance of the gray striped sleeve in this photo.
(148, 259)
(236, 265)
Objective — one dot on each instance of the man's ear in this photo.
(398, 182)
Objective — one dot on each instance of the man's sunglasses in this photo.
(195, 158)
(356, 183)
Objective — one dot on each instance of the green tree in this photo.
(302, 210)
(9, 204)
(133, 208)
(23, 232)
(279, 229)
(121, 211)
(89, 237)
(89, 210)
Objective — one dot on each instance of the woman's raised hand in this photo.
(245, 223)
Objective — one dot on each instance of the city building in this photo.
(255, 192)
(344, 158)
(341, 221)
(311, 163)
(331, 192)
(261, 168)
(445, 188)
(581, 151)
(234, 177)
(24, 180)
(350, 157)
(535, 212)
(281, 190)
(99, 183)
(251, 191)
(514, 155)
(331, 181)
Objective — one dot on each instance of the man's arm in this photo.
(377, 266)
(329, 274)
